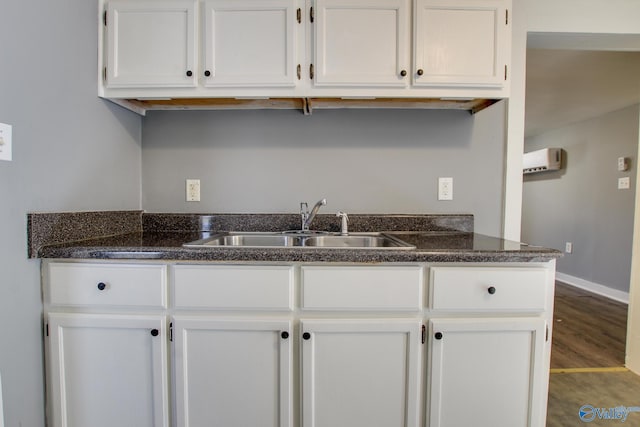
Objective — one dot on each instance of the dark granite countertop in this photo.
(438, 238)
(430, 247)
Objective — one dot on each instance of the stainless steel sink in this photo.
(380, 241)
(301, 240)
(248, 240)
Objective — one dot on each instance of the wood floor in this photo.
(587, 359)
(588, 330)
(570, 392)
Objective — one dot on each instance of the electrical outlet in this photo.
(5, 142)
(193, 190)
(568, 247)
(445, 188)
(624, 183)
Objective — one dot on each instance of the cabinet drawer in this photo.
(487, 288)
(107, 285)
(233, 287)
(362, 288)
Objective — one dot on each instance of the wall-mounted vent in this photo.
(547, 159)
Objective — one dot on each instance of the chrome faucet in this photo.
(307, 216)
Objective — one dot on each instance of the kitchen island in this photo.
(453, 333)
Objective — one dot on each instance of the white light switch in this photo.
(5, 142)
(623, 164)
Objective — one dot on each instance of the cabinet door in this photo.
(362, 44)
(487, 372)
(151, 44)
(461, 43)
(250, 43)
(107, 370)
(233, 373)
(359, 373)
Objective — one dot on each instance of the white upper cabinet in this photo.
(150, 44)
(361, 44)
(304, 49)
(250, 43)
(461, 43)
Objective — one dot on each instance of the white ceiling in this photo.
(567, 85)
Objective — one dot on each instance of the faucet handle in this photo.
(304, 214)
(344, 227)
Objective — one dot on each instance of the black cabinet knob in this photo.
(403, 73)
(207, 73)
(438, 335)
(102, 286)
(491, 290)
(420, 72)
(306, 336)
(189, 73)
(284, 335)
(154, 332)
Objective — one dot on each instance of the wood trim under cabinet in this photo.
(306, 105)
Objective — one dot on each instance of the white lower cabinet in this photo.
(360, 373)
(107, 370)
(488, 345)
(233, 373)
(486, 372)
(297, 344)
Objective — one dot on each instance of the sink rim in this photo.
(395, 242)
(208, 241)
(298, 240)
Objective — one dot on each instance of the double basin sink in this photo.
(301, 240)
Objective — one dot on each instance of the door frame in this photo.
(616, 29)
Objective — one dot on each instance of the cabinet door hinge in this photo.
(505, 72)
(311, 72)
(104, 74)
(46, 329)
(171, 332)
(299, 71)
(546, 333)
(299, 15)
(104, 18)
(424, 334)
(311, 15)
(506, 17)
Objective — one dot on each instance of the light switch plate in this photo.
(5, 142)
(193, 190)
(623, 164)
(445, 188)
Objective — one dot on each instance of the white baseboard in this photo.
(596, 288)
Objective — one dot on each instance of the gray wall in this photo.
(362, 161)
(581, 203)
(72, 151)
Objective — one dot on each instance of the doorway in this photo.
(583, 96)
